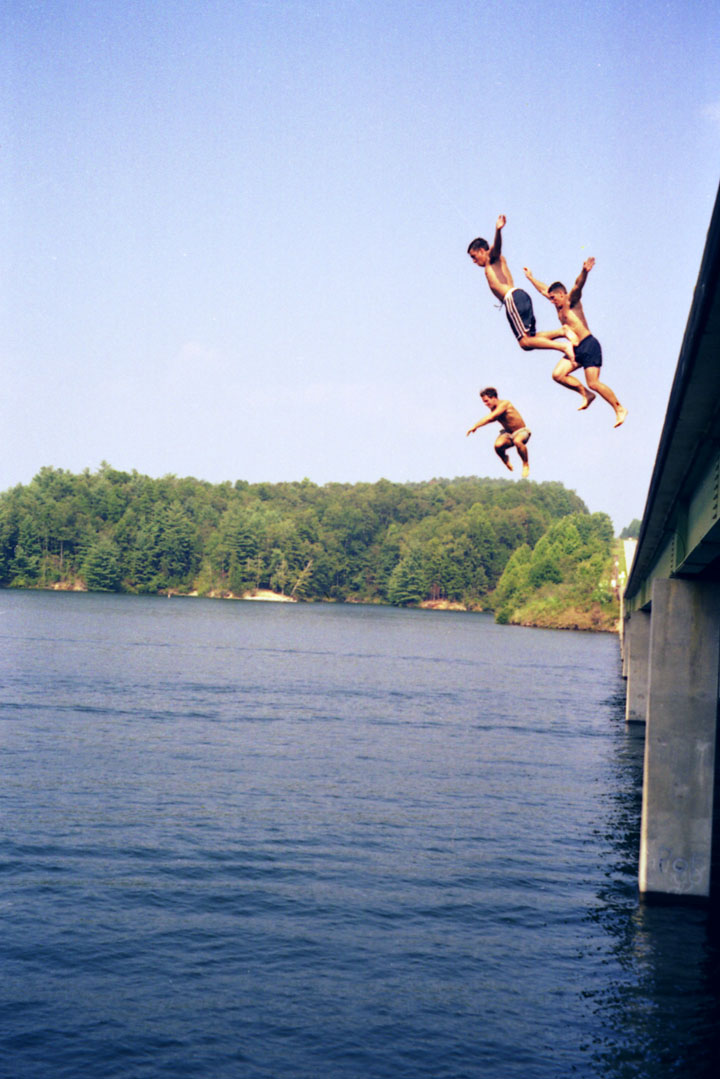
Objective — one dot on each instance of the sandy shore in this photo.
(266, 596)
(263, 594)
(442, 605)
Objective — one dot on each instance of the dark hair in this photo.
(557, 286)
(489, 391)
(478, 245)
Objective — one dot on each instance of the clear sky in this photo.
(234, 231)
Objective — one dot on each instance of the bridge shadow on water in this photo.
(661, 1018)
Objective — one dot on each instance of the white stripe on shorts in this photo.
(512, 311)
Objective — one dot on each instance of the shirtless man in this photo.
(514, 432)
(518, 305)
(588, 353)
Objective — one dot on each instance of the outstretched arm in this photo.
(493, 414)
(497, 242)
(542, 289)
(576, 290)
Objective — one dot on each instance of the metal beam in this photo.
(679, 534)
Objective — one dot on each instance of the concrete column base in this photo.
(677, 809)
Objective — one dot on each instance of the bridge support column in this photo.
(677, 808)
(637, 662)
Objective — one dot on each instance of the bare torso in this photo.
(510, 419)
(573, 321)
(499, 277)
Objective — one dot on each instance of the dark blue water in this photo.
(265, 840)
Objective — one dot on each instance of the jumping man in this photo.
(588, 353)
(518, 305)
(514, 432)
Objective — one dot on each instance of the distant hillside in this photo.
(567, 581)
(441, 540)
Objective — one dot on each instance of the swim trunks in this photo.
(519, 311)
(524, 431)
(589, 353)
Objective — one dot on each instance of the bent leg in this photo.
(562, 375)
(519, 441)
(539, 340)
(502, 442)
(592, 377)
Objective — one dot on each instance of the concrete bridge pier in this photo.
(683, 668)
(636, 665)
(675, 575)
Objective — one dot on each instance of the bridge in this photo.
(671, 617)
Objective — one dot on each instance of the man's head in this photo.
(557, 293)
(479, 252)
(489, 396)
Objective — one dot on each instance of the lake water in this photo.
(290, 842)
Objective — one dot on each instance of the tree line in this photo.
(398, 543)
(567, 581)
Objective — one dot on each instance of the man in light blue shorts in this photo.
(514, 432)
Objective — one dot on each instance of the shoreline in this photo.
(266, 595)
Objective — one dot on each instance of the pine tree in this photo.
(101, 568)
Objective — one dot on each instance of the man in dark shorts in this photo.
(518, 305)
(588, 353)
(514, 432)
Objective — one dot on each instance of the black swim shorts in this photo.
(519, 311)
(588, 353)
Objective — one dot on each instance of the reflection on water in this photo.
(661, 1017)
(283, 842)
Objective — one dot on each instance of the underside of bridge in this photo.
(671, 638)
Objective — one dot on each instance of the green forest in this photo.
(566, 581)
(453, 541)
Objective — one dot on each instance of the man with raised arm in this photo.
(588, 353)
(514, 432)
(518, 305)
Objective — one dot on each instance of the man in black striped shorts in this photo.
(518, 305)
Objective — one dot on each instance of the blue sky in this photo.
(234, 231)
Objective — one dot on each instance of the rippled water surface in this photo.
(273, 840)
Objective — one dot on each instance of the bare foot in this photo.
(526, 471)
(621, 416)
(508, 465)
(589, 398)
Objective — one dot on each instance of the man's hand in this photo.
(528, 273)
(471, 431)
(588, 265)
(500, 223)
